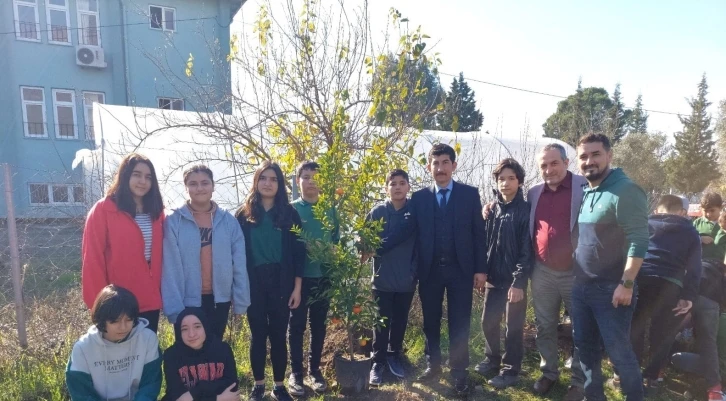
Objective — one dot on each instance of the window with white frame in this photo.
(89, 98)
(64, 111)
(88, 22)
(27, 24)
(168, 103)
(162, 18)
(58, 21)
(33, 100)
(47, 194)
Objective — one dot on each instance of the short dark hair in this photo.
(198, 168)
(112, 303)
(558, 147)
(711, 199)
(593, 138)
(510, 164)
(671, 203)
(396, 173)
(306, 165)
(442, 149)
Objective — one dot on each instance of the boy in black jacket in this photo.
(509, 257)
(668, 283)
(394, 281)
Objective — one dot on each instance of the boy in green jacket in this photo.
(713, 238)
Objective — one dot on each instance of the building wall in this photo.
(143, 64)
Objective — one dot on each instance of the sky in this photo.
(658, 49)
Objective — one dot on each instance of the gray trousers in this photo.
(549, 289)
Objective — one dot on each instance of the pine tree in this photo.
(694, 163)
(638, 121)
(460, 112)
(617, 117)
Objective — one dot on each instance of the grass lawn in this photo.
(55, 322)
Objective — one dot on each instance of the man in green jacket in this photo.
(613, 239)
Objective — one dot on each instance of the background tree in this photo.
(638, 119)
(589, 109)
(428, 101)
(617, 118)
(460, 113)
(694, 162)
(642, 156)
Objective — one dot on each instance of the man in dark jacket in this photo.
(451, 249)
(509, 258)
(394, 277)
(667, 283)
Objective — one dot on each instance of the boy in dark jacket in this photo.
(668, 283)
(509, 257)
(394, 282)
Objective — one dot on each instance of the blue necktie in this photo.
(442, 202)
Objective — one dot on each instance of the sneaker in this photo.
(295, 384)
(503, 381)
(395, 365)
(317, 381)
(376, 375)
(574, 393)
(279, 393)
(258, 393)
(486, 367)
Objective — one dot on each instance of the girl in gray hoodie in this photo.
(204, 261)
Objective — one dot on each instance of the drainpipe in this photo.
(124, 39)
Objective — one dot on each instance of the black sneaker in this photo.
(376, 375)
(258, 393)
(280, 393)
(295, 384)
(317, 381)
(395, 365)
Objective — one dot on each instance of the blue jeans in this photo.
(593, 318)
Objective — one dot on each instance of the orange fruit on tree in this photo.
(356, 309)
(335, 320)
(363, 342)
(339, 191)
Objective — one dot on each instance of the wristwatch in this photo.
(627, 283)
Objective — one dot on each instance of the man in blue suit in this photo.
(452, 259)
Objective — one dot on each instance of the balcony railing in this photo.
(28, 30)
(89, 36)
(35, 129)
(59, 33)
(66, 131)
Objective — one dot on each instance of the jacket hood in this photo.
(199, 313)
(669, 222)
(97, 336)
(615, 176)
(187, 212)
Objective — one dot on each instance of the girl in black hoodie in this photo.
(199, 366)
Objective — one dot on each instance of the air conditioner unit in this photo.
(90, 56)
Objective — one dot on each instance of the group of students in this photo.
(199, 262)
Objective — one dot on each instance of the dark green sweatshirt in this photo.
(612, 225)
